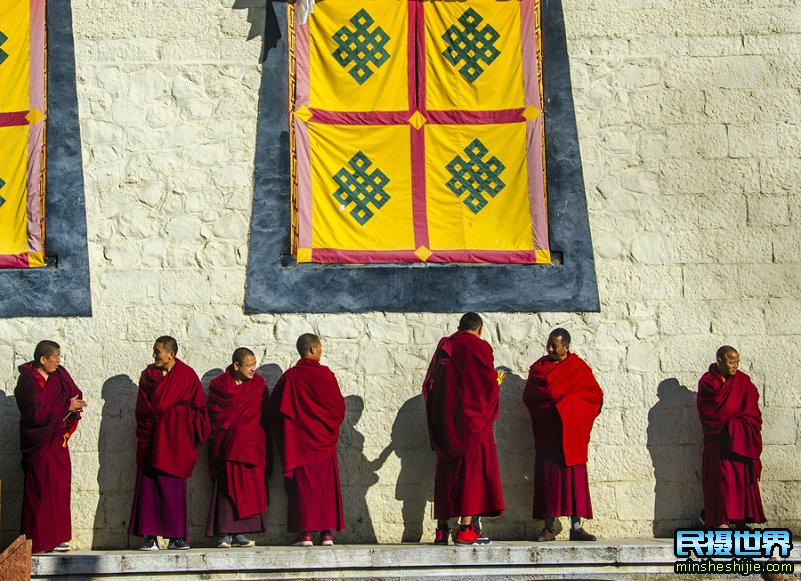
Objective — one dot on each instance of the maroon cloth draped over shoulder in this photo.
(732, 424)
(238, 442)
(171, 419)
(43, 407)
(461, 393)
(306, 411)
(563, 394)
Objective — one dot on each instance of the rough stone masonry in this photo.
(688, 115)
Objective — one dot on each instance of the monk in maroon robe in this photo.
(238, 452)
(171, 423)
(728, 405)
(50, 407)
(563, 399)
(306, 411)
(462, 403)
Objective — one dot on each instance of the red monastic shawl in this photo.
(569, 389)
(461, 393)
(43, 409)
(729, 412)
(306, 410)
(171, 419)
(238, 439)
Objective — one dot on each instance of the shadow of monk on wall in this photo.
(116, 475)
(515, 444)
(10, 468)
(356, 474)
(675, 442)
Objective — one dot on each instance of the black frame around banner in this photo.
(276, 284)
(60, 289)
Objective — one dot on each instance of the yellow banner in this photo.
(13, 211)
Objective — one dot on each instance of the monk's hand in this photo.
(76, 404)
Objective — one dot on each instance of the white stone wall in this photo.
(688, 116)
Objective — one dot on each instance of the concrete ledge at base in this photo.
(607, 559)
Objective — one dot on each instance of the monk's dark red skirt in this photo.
(469, 484)
(223, 514)
(46, 499)
(560, 490)
(314, 497)
(159, 506)
(731, 489)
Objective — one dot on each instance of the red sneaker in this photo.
(327, 539)
(303, 539)
(465, 536)
(480, 539)
(441, 537)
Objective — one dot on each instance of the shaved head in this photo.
(305, 343)
(723, 351)
(45, 349)
(470, 322)
(169, 344)
(239, 355)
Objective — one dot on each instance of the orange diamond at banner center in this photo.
(417, 120)
(34, 116)
(531, 112)
(423, 253)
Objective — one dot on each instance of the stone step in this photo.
(609, 559)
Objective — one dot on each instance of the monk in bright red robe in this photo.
(462, 403)
(171, 423)
(306, 411)
(563, 399)
(238, 452)
(728, 405)
(50, 407)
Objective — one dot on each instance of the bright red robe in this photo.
(563, 399)
(731, 467)
(306, 411)
(462, 403)
(45, 426)
(237, 446)
(171, 419)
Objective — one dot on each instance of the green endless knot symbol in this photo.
(3, 55)
(471, 45)
(2, 199)
(360, 188)
(475, 176)
(361, 47)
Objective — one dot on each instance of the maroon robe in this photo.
(462, 403)
(731, 468)
(563, 399)
(306, 411)
(171, 423)
(238, 455)
(45, 426)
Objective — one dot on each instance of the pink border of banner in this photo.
(36, 131)
(465, 256)
(534, 129)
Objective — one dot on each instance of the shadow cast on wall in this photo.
(675, 442)
(10, 468)
(116, 475)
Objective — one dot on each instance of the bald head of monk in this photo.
(727, 360)
(164, 351)
(47, 357)
(558, 345)
(309, 346)
(471, 323)
(243, 364)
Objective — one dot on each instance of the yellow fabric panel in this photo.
(304, 255)
(36, 259)
(15, 69)
(505, 222)
(389, 150)
(543, 257)
(14, 212)
(332, 87)
(500, 85)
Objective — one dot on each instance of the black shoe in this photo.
(178, 545)
(149, 544)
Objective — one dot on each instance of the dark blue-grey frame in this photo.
(62, 289)
(275, 284)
